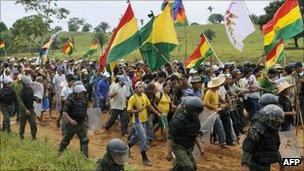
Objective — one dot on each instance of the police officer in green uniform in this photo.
(75, 115)
(261, 145)
(26, 107)
(116, 156)
(184, 133)
(8, 99)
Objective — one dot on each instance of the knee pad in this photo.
(84, 141)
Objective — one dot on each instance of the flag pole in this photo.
(161, 54)
(218, 59)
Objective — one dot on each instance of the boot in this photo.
(85, 150)
(145, 159)
(21, 136)
(61, 147)
(34, 137)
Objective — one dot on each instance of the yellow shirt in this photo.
(163, 102)
(212, 98)
(139, 102)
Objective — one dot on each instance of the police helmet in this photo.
(194, 106)
(272, 116)
(267, 99)
(118, 150)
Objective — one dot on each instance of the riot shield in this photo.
(94, 120)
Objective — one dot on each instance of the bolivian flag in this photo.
(92, 49)
(286, 23)
(68, 47)
(2, 44)
(276, 55)
(125, 38)
(45, 48)
(157, 39)
(202, 51)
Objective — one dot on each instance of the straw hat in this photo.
(216, 81)
(283, 86)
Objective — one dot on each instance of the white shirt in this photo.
(66, 91)
(57, 80)
(222, 92)
(253, 82)
(119, 101)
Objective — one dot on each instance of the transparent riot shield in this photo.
(94, 120)
(207, 120)
(289, 147)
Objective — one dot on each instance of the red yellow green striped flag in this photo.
(92, 49)
(125, 38)
(286, 23)
(68, 47)
(202, 51)
(2, 44)
(275, 55)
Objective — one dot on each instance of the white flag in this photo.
(238, 24)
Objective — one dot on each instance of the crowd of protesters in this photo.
(145, 102)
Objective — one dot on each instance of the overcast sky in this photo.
(110, 11)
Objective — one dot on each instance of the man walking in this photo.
(75, 115)
(118, 100)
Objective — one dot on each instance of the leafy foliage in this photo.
(75, 23)
(28, 30)
(48, 9)
(100, 32)
(210, 34)
(2, 27)
(194, 24)
(254, 18)
(216, 18)
(86, 27)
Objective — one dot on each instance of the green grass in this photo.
(16, 154)
(226, 52)
(38, 155)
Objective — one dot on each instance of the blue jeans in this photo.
(150, 127)
(225, 118)
(253, 104)
(219, 131)
(141, 135)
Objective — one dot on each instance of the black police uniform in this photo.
(183, 130)
(77, 110)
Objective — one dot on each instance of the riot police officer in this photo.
(267, 99)
(261, 145)
(183, 134)
(75, 115)
(116, 156)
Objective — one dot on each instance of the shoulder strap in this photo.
(160, 97)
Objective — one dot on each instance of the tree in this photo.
(86, 27)
(57, 28)
(254, 18)
(74, 23)
(102, 27)
(210, 34)
(194, 24)
(216, 18)
(100, 32)
(29, 29)
(48, 9)
(2, 27)
(210, 8)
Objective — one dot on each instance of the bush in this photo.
(210, 34)
(38, 155)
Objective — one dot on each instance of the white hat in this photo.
(106, 74)
(216, 81)
(79, 88)
(277, 66)
(7, 80)
(26, 80)
(192, 71)
(84, 71)
(215, 67)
